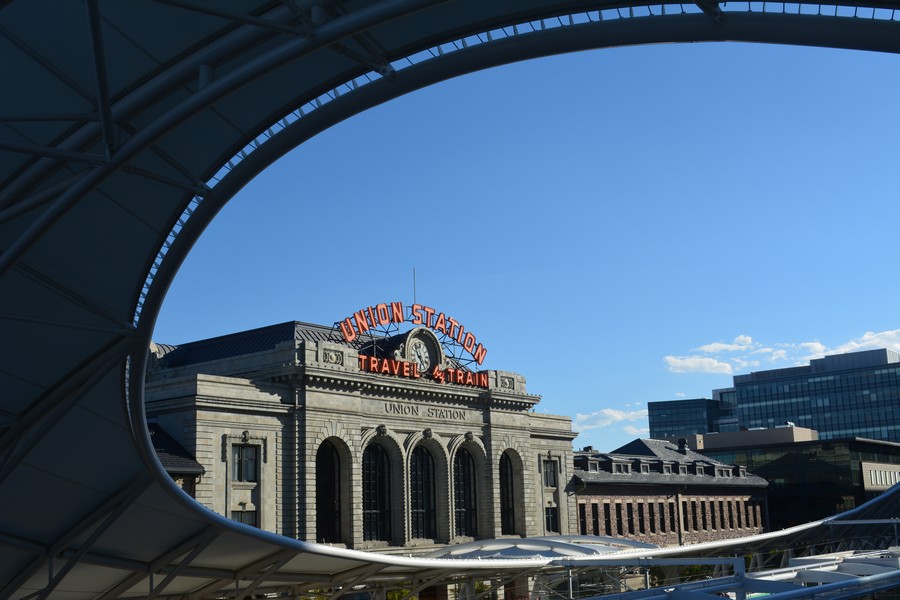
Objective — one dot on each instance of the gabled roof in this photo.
(662, 450)
(172, 455)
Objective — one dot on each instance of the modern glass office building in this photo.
(844, 395)
(681, 417)
(816, 479)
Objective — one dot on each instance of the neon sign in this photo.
(401, 368)
(384, 314)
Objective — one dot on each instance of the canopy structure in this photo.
(124, 127)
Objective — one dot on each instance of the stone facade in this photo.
(249, 402)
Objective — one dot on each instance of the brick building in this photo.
(385, 441)
(665, 494)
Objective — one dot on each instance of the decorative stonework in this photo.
(245, 438)
(507, 383)
(332, 357)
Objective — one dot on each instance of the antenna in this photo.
(414, 285)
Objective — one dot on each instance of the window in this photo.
(376, 494)
(247, 517)
(640, 518)
(619, 521)
(464, 493)
(582, 519)
(662, 517)
(551, 519)
(244, 463)
(645, 468)
(507, 496)
(607, 519)
(667, 469)
(549, 467)
(422, 494)
(328, 494)
(595, 518)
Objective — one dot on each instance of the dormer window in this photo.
(621, 468)
(645, 468)
(593, 467)
(667, 469)
(682, 470)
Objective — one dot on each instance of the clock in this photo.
(419, 354)
(422, 348)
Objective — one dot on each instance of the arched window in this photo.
(507, 497)
(376, 494)
(328, 494)
(422, 494)
(464, 493)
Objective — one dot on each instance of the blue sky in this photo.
(620, 226)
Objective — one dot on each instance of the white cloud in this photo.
(606, 417)
(813, 349)
(636, 431)
(743, 349)
(680, 394)
(741, 342)
(743, 364)
(869, 340)
(778, 355)
(697, 364)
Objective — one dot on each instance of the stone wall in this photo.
(318, 393)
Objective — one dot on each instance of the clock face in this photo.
(420, 354)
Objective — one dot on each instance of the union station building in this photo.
(380, 432)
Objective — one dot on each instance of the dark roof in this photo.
(691, 479)
(247, 342)
(661, 450)
(266, 338)
(174, 458)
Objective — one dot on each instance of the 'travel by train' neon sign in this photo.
(410, 370)
(383, 314)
